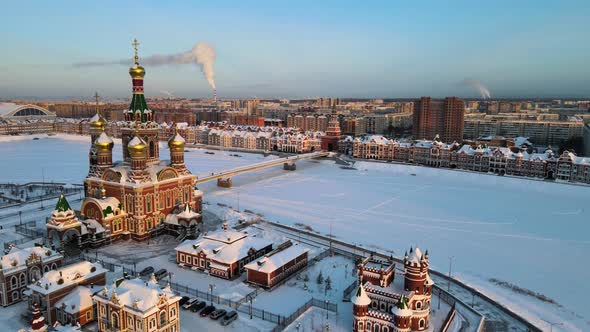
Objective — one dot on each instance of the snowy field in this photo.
(528, 233)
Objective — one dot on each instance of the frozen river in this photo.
(530, 233)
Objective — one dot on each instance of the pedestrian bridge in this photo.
(224, 177)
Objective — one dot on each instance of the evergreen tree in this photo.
(320, 278)
(306, 278)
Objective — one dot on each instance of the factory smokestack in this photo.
(201, 54)
(479, 87)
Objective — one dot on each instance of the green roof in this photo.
(403, 302)
(62, 204)
(138, 103)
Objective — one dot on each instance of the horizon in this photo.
(272, 50)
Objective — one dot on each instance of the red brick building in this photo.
(333, 135)
(382, 303)
(275, 267)
(223, 254)
(21, 267)
(131, 198)
(54, 286)
(442, 117)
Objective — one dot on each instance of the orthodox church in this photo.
(387, 304)
(133, 198)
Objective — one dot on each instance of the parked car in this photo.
(208, 309)
(161, 273)
(198, 306)
(229, 317)
(147, 271)
(215, 315)
(189, 303)
(183, 300)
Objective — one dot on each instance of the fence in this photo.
(346, 292)
(313, 302)
(29, 230)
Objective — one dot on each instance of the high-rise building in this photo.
(443, 117)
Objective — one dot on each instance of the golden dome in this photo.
(176, 142)
(103, 142)
(98, 122)
(137, 71)
(136, 147)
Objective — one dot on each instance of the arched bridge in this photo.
(224, 177)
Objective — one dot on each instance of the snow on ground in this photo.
(314, 319)
(191, 321)
(525, 232)
(10, 317)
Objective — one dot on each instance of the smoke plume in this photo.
(479, 87)
(202, 54)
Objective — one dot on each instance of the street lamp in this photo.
(326, 309)
(250, 299)
(211, 286)
(450, 266)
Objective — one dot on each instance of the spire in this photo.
(138, 109)
(62, 204)
(96, 96)
(135, 48)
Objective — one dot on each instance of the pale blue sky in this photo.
(301, 48)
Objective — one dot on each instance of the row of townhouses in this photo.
(499, 160)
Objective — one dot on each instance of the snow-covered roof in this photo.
(268, 264)
(138, 296)
(71, 274)
(17, 258)
(217, 247)
(104, 138)
(360, 297)
(415, 256)
(78, 299)
(135, 141)
(187, 213)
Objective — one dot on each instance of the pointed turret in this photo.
(62, 204)
(176, 146)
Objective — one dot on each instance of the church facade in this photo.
(129, 198)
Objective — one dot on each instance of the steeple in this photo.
(62, 204)
(138, 109)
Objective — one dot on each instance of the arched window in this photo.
(14, 296)
(54, 266)
(115, 320)
(162, 317)
(46, 268)
(418, 305)
(385, 329)
(369, 326)
(14, 282)
(23, 279)
(422, 323)
(361, 326)
(383, 306)
(377, 328)
(172, 312)
(374, 304)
